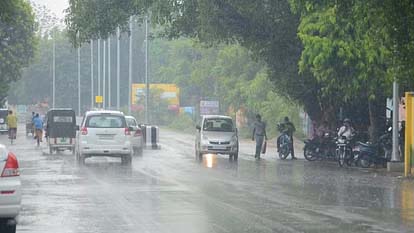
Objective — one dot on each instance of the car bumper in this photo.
(109, 151)
(10, 197)
(211, 149)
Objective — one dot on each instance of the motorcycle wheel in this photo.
(309, 153)
(341, 158)
(284, 152)
(364, 161)
(349, 159)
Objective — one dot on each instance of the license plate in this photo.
(63, 140)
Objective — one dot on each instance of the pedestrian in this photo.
(259, 134)
(38, 124)
(12, 124)
(288, 127)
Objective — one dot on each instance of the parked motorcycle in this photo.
(320, 148)
(367, 154)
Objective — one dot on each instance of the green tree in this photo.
(17, 41)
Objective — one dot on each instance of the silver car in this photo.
(217, 135)
(136, 135)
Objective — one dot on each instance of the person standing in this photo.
(259, 134)
(12, 124)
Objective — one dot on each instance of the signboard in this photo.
(209, 107)
(409, 135)
(170, 92)
(98, 99)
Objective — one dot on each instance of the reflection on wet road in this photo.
(167, 190)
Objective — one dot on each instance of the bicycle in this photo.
(39, 135)
(12, 135)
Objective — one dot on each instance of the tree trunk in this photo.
(377, 118)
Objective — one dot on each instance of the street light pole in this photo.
(54, 74)
(99, 66)
(146, 73)
(130, 66)
(79, 85)
(92, 74)
(104, 75)
(395, 116)
(109, 73)
(118, 54)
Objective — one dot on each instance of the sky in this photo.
(56, 6)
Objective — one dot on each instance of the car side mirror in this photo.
(198, 127)
(77, 128)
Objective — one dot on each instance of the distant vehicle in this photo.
(10, 190)
(60, 127)
(217, 135)
(3, 124)
(136, 135)
(104, 133)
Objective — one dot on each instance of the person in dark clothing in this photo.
(259, 134)
(289, 128)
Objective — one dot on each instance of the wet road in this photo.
(168, 191)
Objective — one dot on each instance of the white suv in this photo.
(104, 133)
(217, 135)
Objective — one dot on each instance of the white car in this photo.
(136, 135)
(217, 135)
(10, 190)
(104, 133)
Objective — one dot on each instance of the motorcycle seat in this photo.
(365, 144)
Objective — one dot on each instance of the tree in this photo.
(17, 41)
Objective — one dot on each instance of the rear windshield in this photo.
(218, 124)
(62, 119)
(105, 121)
(131, 122)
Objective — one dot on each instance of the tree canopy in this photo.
(17, 41)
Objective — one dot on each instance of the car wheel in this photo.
(7, 226)
(126, 159)
(235, 156)
(50, 150)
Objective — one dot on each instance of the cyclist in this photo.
(38, 124)
(12, 124)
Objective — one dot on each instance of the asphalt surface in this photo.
(167, 190)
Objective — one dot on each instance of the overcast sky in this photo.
(56, 6)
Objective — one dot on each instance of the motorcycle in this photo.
(379, 153)
(344, 152)
(285, 142)
(320, 148)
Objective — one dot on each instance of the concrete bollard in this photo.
(150, 136)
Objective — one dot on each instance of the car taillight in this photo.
(84, 131)
(11, 168)
(127, 132)
(138, 133)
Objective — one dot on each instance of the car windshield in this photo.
(218, 124)
(105, 121)
(131, 122)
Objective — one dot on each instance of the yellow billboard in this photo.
(170, 92)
